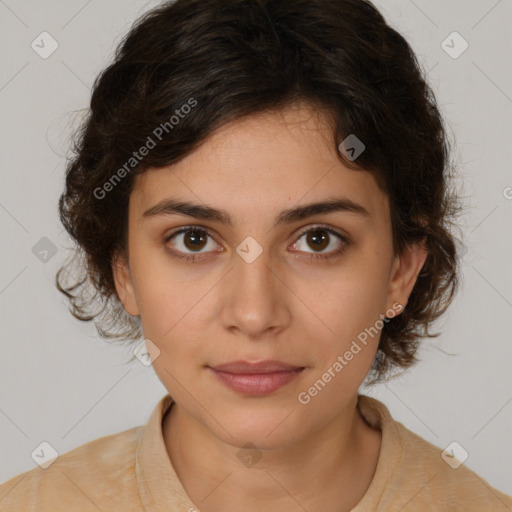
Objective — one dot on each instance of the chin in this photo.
(266, 429)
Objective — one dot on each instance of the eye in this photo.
(191, 238)
(320, 237)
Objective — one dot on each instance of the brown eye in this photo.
(319, 239)
(194, 240)
(190, 241)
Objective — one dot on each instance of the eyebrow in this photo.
(204, 212)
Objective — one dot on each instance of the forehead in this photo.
(262, 164)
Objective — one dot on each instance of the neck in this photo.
(330, 470)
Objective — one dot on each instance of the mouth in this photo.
(256, 379)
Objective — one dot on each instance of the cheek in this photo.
(349, 299)
(176, 314)
(169, 312)
(165, 293)
(343, 355)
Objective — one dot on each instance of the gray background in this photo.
(60, 383)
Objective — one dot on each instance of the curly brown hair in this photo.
(232, 58)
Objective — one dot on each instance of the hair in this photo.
(190, 66)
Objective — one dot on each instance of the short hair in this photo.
(188, 67)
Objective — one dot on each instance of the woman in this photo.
(261, 193)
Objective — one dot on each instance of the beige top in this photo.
(131, 471)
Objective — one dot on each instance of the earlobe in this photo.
(124, 285)
(405, 271)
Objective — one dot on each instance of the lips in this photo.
(248, 368)
(255, 379)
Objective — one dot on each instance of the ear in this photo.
(405, 270)
(124, 284)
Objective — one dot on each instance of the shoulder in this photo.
(414, 474)
(441, 478)
(77, 479)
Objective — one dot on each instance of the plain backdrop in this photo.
(61, 383)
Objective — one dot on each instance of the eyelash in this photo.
(194, 258)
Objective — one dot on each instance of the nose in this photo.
(255, 298)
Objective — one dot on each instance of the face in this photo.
(299, 289)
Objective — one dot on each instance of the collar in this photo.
(161, 490)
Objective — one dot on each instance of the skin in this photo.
(316, 456)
